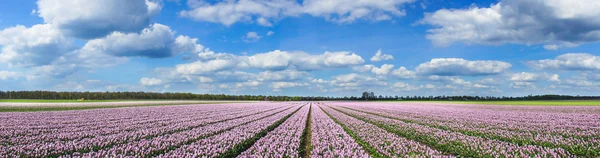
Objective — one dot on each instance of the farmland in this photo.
(24, 105)
(305, 129)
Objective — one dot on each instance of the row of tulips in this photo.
(165, 142)
(383, 142)
(329, 139)
(284, 141)
(491, 128)
(232, 141)
(454, 142)
(98, 139)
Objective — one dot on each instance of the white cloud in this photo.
(523, 85)
(251, 37)
(247, 84)
(205, 79)
(525, 77)
(157, 41)
(554, 78)
(200, 67)
(223, 86)
(356, 81)
(264, 12)
(270, 33)
(379, 56)
(230, 12)
(490, 81)
(348, 11)
(5, 75)
(456, 82)
(570, 61)
(35, 46)
(282, 85)
(275, 61)
(363, 68)
(551, 47)
(580, 83)
(462, 67)
(96, 18)
(264, 22)
(150, 81)
(401, 86)
(339, 59)
(562, 22)
(403, 73)
(384, 70)
(534, 77)
(287, 75)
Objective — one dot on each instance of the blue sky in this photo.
(309, 48)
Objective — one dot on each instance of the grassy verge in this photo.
(83, 107)
(306, 138)
(370, 149)
(526, 103)
(246, 144)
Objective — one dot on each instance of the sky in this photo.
(302, 47)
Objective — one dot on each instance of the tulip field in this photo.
(305, 129)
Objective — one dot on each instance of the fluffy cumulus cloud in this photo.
(355, 81)
(34, 46)
(533, 77)
(551, 22)
(531, 80)
(230, 12)
(379, 56)
(383, 70)
(287, 75)
(379, 71)
(347, 11)
(275, 61)
(402, 86)
(456, 82)
(265, 12)
(150, 81)
(462, 67)
(157, 41)
(96, 18)
(570, 61)
(277, 86)
(403, 73)
(251, 37)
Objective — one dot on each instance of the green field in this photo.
(530, 103)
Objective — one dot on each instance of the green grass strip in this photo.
(305, 149)
(246, 144)
(370, 149)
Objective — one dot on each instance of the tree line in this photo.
(192, 96)
(142, 96)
